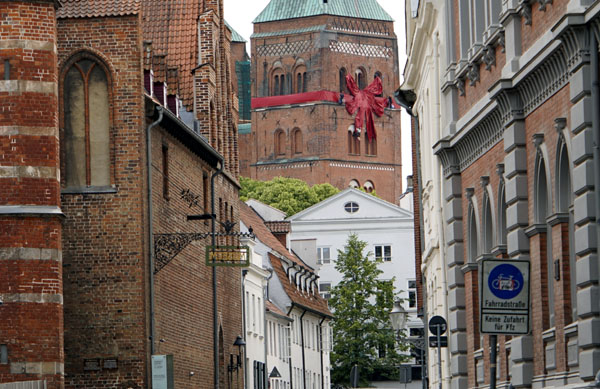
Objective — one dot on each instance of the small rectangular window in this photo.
(412, 299)
(325, 289)
(6, 70)
(412, 284)
(323, 255)
(3, 354)
(383, 252)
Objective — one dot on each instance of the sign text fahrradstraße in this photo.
(504, 297)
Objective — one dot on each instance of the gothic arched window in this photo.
(87, 120)
(297, 138)
(279, 142)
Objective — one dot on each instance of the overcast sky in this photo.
(240, 13)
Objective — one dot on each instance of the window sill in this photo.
(90, 190)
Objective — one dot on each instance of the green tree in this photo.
(289, 195)
(362, 332)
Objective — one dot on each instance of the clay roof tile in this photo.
(97, 8)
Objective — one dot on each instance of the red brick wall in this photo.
(183, 291)
(30, 246)
(325, 135)
(542, 21)
(324, 126)
(104, 249)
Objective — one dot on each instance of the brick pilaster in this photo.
(31, 317)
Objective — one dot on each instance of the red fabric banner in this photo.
(296, 98)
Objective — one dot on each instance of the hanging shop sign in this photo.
(504, 297)
(228, 256)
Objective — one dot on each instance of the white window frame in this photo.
(321, 260)
(383, 257)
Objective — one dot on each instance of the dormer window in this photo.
(351, 207)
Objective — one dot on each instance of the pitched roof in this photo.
(274, 309)
(252, 219)
(313, 302)
(97, 8)
(171, 25)
(292, 9)
(235, 36)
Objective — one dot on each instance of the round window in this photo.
(351, 207)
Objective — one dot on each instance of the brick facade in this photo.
(308, 53)
(87, 248)
(31, 275)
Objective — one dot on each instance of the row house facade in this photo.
(505, 122)
(291, 318)
(111, 135)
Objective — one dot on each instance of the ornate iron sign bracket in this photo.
(167, 246)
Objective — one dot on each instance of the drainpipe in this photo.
(265, 299)
(159, 109)
(244, 273)
(321, 348)
(303, 355)
(214, 275)
(596, 124)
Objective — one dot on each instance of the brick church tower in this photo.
(31, 312)
(310, 46)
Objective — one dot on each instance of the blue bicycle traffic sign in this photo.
(505, 281)
(504, 297)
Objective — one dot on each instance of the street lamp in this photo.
(398, 316)
(235, 361)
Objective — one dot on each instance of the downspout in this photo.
(159, 109)
(596, 124)
(244, 273)
(303, 355)
(214, 275)
(265, 299)
(321, 348)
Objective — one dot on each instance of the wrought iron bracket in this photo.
(167, 246)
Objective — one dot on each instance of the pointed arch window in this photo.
(488, 230)
(564, 194)
(502, 207)
(472, 235)
(543, 207)
(86, 140)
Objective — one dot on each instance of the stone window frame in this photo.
(103, 62)
(564, 188)
(473, 246)
(501, 227)
(369, 186)
(354, 183)
(542, 194)
(488, 224)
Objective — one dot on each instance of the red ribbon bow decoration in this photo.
(365, 102)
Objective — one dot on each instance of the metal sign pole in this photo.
(439, 347)
(493, 341)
